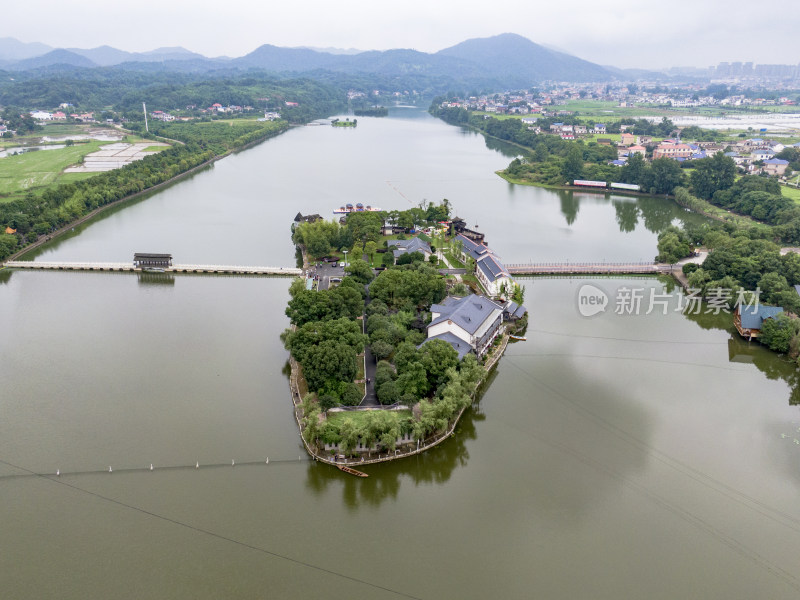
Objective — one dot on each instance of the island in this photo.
(346, 123)
(399, 319)
(371, 111)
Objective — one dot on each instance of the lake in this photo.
(619, 456)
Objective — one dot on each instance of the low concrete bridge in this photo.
(129, 267)
(600, 268)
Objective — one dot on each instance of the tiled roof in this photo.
(469, 312)
(492, 268)
(753, 316)
(406, 246)
(456, 342)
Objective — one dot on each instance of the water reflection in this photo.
(773, 365)
(506, 149)
(627, 215)
(164, 279)
(434, 466)
(570, 205)
(655, 213)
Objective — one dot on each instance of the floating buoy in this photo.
(109, 469)
(58, 472)
(197, 465)
(151, 466)
(233, 463)
(267, 461)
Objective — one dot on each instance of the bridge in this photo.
(129, 267)
(598, 268)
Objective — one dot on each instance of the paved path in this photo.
(370, 368)
(371, 399)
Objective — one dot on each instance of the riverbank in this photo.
(99, 210)
(696, 205)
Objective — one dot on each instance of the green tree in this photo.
(360, 270)
(664, 175)
(369, 249)
(712, 174)
(673, 245)
(329, 362)
(381, 349)
(572, 168)
(777, 332)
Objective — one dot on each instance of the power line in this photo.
(143, 511)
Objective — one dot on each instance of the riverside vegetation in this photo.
(40, 213)
(753, 218)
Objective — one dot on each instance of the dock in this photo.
(129, 267)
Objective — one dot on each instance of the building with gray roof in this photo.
(474, 320)
(400, 247)
(749, 319)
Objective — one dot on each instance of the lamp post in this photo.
(345, 256)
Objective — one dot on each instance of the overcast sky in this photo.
(643, 33)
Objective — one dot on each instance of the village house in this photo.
(599, 128)
(762, 154)
(41, 115)
(775, 166)
(672, 150)
(468, 324)
(627, 139)
(637, 150)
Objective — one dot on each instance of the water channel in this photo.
(619, 456)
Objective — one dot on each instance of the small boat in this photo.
(352, 471)
(516, 337)
(153, 270)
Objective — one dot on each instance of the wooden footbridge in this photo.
(598, 268)
(130, 267)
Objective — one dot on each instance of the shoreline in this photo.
(99, 210)
(427, 444)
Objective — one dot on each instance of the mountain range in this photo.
(507, 60)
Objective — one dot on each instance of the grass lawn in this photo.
(791, 192)
(359, 416)
(454, 262)
(24, 172)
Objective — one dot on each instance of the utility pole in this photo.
(144, 108)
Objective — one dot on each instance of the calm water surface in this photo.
(612, 457)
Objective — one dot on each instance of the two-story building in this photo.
(469, 324)
(488, 269)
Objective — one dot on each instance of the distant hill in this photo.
(12, 49)
(278, 59)
(106, 56)
(54, 57)
(506, 60)
(516, 59)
